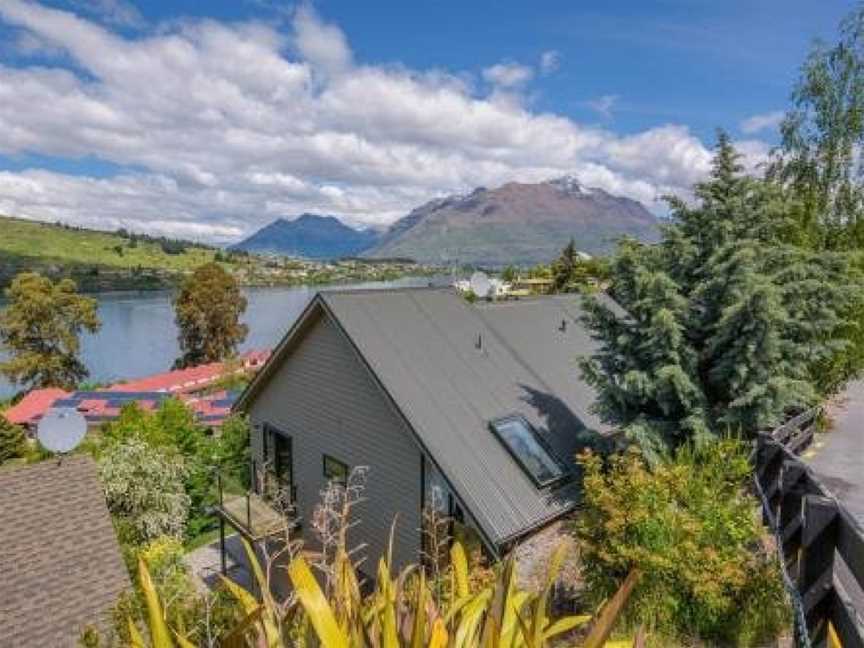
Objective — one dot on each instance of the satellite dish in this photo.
(480, 284)
(61, 429)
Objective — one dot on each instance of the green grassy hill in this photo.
(97, 260)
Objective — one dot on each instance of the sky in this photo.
(206, 120)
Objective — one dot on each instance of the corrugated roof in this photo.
(422, 345)
(59, 559)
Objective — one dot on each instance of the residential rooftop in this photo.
(60, 562)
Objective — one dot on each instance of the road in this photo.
(838, 456)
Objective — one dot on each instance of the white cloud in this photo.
(508, 75)
(550, 61)
(113, 12)
(603, 106)
(322, 45)
(217, 129)
(758, 123)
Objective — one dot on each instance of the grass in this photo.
(99, 260)
(50, 244)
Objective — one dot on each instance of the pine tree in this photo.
(13, 442)
(564, 266)
(727, 319)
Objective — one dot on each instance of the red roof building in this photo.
(33, 405)
(105, 404)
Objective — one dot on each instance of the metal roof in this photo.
(452, 367)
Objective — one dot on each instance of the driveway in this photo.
(838, 455)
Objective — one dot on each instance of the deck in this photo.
(252, 515)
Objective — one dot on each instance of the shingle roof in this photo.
(422, 345)
(60, 565)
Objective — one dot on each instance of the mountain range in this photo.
(517, 223)
(311, 237)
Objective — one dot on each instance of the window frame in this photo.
(519, 418)
(325, 458)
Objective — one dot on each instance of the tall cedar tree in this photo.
(726, 319)
(40, 330)
(207, 311)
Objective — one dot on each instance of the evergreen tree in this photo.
(727, 319)
(564, 267)
(13, 442)
(40, 330)
(207, 311)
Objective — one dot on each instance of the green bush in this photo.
(692, 529)
(172, 429)
(13, 442)
(144, 490)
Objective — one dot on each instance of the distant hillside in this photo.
(516, 223)
(97, 260)
(310, 237)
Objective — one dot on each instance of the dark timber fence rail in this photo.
(822, 545)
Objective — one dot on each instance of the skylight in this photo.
(521, 439)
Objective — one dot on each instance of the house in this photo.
(190, 385)
(480, 403)
(60, 569)
(104, 405)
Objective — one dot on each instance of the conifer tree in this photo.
(726, 321)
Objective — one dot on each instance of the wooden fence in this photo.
(821, 543)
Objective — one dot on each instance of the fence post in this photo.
(816, 569)
(790, 520)
(769, 461)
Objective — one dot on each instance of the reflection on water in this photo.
(138, 336)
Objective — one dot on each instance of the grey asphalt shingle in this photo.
(421, 345)
(60, 564)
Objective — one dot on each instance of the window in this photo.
(525, 445)
(335, 470)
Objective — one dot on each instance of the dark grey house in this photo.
(482, 403)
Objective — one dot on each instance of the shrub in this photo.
(144, 491)
(691, 528)
(172, 429)
(13, 442)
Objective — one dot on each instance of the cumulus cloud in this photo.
(508, 75)
(550, 61)
(603, 106)
(758, 123)
(323, 46)
(113, 12)
(216, 128)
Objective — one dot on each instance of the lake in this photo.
(138, 336)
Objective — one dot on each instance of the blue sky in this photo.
(209, 119)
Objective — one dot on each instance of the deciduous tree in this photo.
(40, 330)
(207, 311)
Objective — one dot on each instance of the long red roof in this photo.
(182, 382)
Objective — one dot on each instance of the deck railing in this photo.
(255, 501)
(821, 544)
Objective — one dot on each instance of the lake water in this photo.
(138, 336)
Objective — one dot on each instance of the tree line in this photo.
(42, 324)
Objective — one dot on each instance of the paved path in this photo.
(838, 456)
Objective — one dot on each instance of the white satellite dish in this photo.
(61, 429)
(480, 284)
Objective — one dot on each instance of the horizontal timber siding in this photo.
(326, 400)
